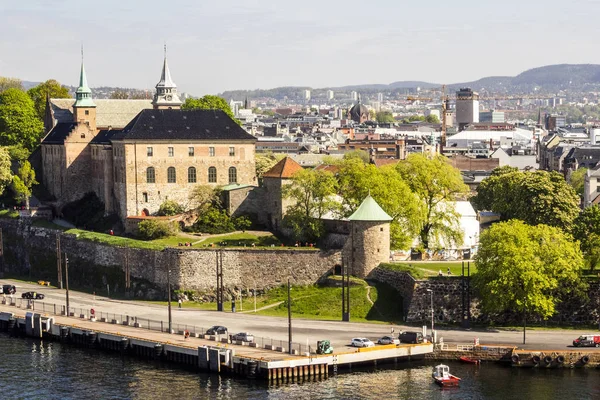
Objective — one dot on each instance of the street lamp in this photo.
(431, 293)
(169, 298)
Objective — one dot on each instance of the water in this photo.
(31, 369)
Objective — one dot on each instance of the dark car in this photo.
(33, 296)
(216, 330)
(9, 289)
(411, 337)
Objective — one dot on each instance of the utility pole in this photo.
(254, 295)
(289, 318)
(59, 261)
(67, 281)
(219, 259)
(127, 272)
(1, 254)
(169, 299)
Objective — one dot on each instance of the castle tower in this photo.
(166, 96)
(84, 109)
(369, 238)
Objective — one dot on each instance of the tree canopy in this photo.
(19, 123)
(5, 172)
(525, 268)
(51, 88)
(360, 154)
(436, 183)
(208, 102)
(22, 182)
(385, 117)
(536, 197)
(311, 193)
(577, 180)
(10, 83)
(266, 161)
(119, 94)
(387, 187)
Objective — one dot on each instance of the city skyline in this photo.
(250, 45)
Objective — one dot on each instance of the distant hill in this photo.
(551, 78)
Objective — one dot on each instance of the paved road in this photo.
(304, 331)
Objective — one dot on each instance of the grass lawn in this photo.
(246, 239)
(9, 214)
(424, 269)
(320, 302)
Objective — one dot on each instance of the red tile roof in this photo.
(283, 169)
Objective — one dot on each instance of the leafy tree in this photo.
(18, 153)
(536, 197)
(19, 124)
(266, 161)
(5, 172)
(154, 229)
(208, 102)
(119, 94)
(592, 253)
(436, 183)
(386, 186)
(385, 117)
(203, 196)
(213, 220)
(22, 183)
(577, 180)
(10, 83)
(170, 207)
(51, 88)
(311, 193)
(242, 223)
(432, 119)
(524, 268)
(358, 154)
(586, 229)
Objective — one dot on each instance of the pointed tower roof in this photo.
(165, 76)
(369, 210)
(285, 169)
(83, 94)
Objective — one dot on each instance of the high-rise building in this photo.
(467, 107)
(330, 95)
(307, 95)
(380, 97)
(492, 116)
(354, 96)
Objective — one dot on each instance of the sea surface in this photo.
(31, 369)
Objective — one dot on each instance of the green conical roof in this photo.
(83, 95)
(369, 210)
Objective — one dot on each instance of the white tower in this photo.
(166, 90)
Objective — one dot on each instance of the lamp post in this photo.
(67, 282)
(255, 296)
(431, 293)
(289, 317)
(169, 298)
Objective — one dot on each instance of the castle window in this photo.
(211, 151)
(149, 151)
(232, 175)
(232, 151)
(83, 135)
(212, 175)
(191, 175)
(171, 152)
(171, 175)
(145, 197)
(381, 229)
(87, 112)
(150, 175)
(191, 151)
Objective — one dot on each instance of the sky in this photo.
(215, 46)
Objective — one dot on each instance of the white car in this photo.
(361, 342)
(388, 340)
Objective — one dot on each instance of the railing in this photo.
(143, 323)
(454, 347)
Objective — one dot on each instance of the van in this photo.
(9, 289)
(410, 337)
(587, 341)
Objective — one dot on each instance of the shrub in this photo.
(86, 212)
(214, 220)
(153, 229)
(242, 223)
(170, 207)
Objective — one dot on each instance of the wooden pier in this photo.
(202, 352)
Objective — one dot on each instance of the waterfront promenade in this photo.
(304, 331)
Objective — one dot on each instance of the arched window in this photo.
(232, 175)
(191, 175)
(150, 175)
(171, 175)
(212, 175)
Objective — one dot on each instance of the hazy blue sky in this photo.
(246, 44)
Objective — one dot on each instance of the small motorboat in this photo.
(442, 376)
(469, 360)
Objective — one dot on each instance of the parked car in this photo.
(361, 342)
(243, 336)
(216, 330)
(587, 341)
(410, 337)
(388, 340)
(9, 289)
(33, 296)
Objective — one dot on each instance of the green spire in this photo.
(83, 95)
(369, 210)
